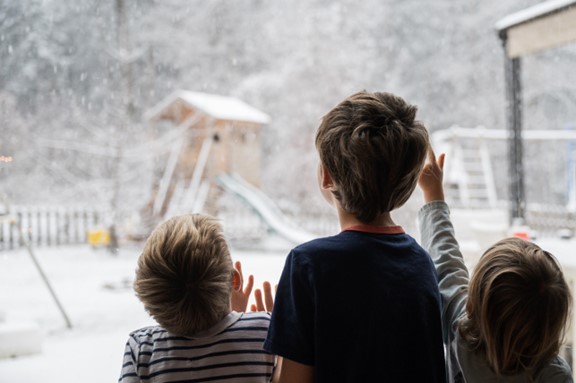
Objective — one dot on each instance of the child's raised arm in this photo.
(438, 238)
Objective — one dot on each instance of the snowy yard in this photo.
(95, 290)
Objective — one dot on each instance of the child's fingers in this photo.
(441, 158)
(259, 300)
(431, 155)
(253, 307)
(238, 266)
(249, 285)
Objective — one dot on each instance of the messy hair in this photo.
(184, 275)
(518, 307)
(374, 150)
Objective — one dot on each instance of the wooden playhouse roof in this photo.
(215, 106)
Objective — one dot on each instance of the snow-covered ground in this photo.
(95, 291)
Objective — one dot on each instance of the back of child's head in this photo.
(374, 150)
(518, 306)
(184, 274)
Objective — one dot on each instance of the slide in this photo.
(265, 208)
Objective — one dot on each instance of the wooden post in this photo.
(24, 241)
(517, 209)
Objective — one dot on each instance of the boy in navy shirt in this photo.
(363, 305)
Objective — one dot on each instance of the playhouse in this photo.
(216, 148)
(215, 135)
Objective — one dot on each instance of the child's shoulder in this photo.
(258, 316)
(351, 239)
(149, 333)
(317, 246)
(328, 241)
(347, 245)
(249, 322)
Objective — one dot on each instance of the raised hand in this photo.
(430, 180)
(240, 294)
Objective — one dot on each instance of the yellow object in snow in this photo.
(99, 237)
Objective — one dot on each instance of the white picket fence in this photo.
(47, 226)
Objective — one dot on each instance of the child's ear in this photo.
(236, 280)
(325, 178)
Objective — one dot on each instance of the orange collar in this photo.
(376, 229)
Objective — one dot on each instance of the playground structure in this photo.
(469, 175)
(262, 205)
(478, 210)
(218, 150)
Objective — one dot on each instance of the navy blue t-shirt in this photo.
(360, 306)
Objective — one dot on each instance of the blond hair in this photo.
(518, 306)
(374, 150)
(184, 275)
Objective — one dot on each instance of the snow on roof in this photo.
(219, 107)
(531, 13)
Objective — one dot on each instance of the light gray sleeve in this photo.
(437, 237)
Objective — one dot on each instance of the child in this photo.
(363, 305)
(187, 283)
(506, 323)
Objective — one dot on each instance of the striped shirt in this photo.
(230, 351)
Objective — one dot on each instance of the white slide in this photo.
(265, 208)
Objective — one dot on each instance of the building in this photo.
(214, 135)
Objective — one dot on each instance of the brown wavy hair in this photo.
(374, 150)
(184, 274)
(518, 307)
